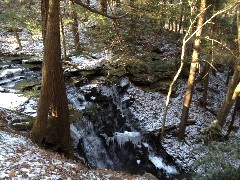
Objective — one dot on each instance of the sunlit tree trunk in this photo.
(234, 86)
(15, 31)
(52, 127)
(170, 24)
(192, 74)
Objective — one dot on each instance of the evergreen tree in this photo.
(52, 127)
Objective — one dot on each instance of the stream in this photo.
(105, 134)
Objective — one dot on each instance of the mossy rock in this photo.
(151, 75)
(26, 85)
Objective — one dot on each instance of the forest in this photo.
(120, 89)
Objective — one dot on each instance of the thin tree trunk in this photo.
(170, 24)
(52, 127)
(233, 87)
(192, 74)
(44, 13)
(205, 84)
(180, 18)
(74, 27)
(17, 38)
(171, 87)
(208, 66)
(230, 128)
(175, 26)
(229, 99)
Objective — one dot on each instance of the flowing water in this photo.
(105, 135)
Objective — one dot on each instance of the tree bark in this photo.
(52, 126)
(63, 39)
(192, 74)
(175, 26)
(17, 38)
(181, 18)
(233, 87)
(74, 27)
(44, 13)
(205, 84)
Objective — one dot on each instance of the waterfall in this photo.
(95, 152)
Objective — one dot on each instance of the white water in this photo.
(95, 152)
(158, 163)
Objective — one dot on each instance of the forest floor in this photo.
(15, 149)
(21, 159)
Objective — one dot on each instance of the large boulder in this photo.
(151, 75)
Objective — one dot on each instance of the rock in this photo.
(22, 124)
(149, 176)
(33, 60)
(35, 68)
(27, 85)
(152, 75)
(83, 73)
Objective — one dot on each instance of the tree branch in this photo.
(79, 2)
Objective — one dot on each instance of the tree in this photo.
(44, 14)
(16, 14)
(74, 26)
(193, 72)
(234, 87)
(52, 126)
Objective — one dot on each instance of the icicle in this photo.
(122, 138)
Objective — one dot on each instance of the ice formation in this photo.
(122, 138)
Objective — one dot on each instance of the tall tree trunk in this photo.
(205, 84)
(17, 38)
(175, 25)
(232, 89)
(52, 126)
(170, 24)
(211, 55)
(192, 74)
(181, 18)
(74, 27)
(44, 13)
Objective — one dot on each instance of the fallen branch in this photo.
(79, 2)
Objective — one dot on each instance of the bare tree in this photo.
(193, 72)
